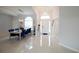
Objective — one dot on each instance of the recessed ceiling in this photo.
(16, 10)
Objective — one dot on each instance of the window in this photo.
(45, 16)
(28, 23)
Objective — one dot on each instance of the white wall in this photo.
(5, 24)
(15, 22)
(69, 26)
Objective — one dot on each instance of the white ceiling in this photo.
(14, 10)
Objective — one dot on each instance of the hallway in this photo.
(32, 44)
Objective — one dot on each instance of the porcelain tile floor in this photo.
(31, 44)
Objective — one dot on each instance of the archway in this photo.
(45, 27)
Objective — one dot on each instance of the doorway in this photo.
(45, 30)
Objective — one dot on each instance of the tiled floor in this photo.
(32, 44)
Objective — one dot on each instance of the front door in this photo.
(45, 32)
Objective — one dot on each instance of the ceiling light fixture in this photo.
(20, 10)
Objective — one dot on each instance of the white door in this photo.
(45, 32)
(45, 26)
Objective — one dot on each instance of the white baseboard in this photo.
(73, 49)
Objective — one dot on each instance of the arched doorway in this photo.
(45, 27)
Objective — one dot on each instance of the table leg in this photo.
(19, 36)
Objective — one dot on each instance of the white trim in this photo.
(73, 49)
(41, 41)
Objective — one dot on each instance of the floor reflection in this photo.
(32, 44)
